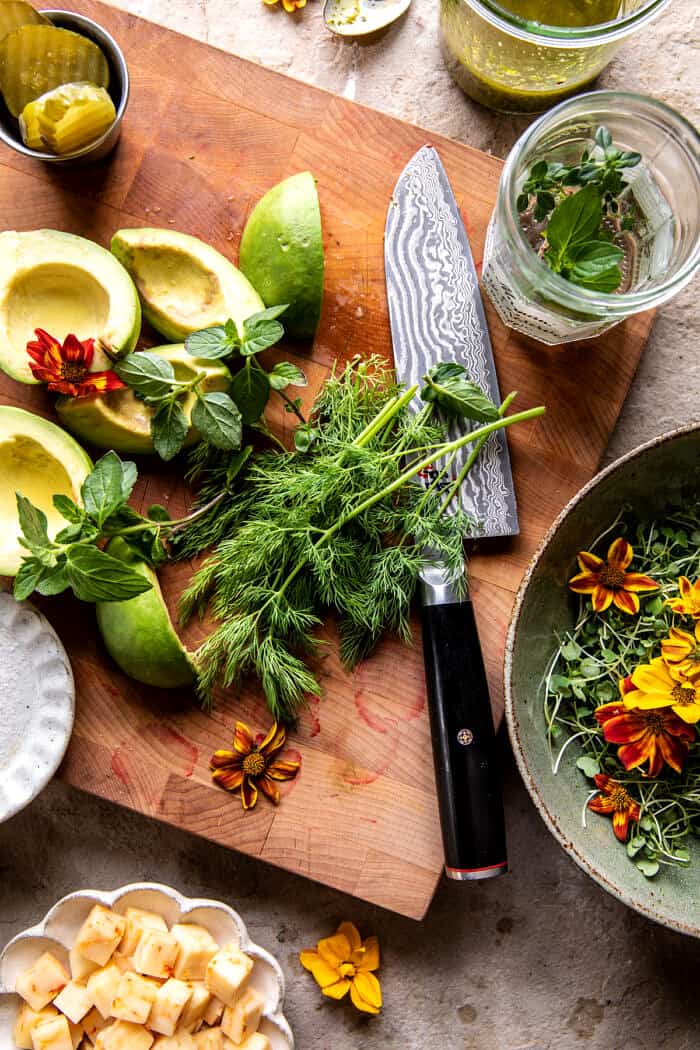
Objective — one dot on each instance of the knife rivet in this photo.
(465, 737)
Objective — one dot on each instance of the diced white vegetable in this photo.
(214, 1011)
(134, 998)
(123, 1035)
(53, 1034)
(209, 1039)
(227, 973)
(181, 1040)
(198, 1002)
(73, 1001)
(26, 1019)
(156, 953)
(100, 934)
(102, 987)
(93, 1023)
(242, 1019)
(171, 999)
(137, 920)
(197, 947)
(80, 967)
(42, 982)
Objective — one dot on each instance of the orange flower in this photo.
(608, 581)
(616, 801)
(345, 963)
(289, 5)
(253, 764)
(688, 604)
(65, 368)
(681, 650)
(653, 736)
(656, 685)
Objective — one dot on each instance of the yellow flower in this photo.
(289, 5)
(689, 602)
(681, 650)
(609, 582)
(657, 685)
(344, 963)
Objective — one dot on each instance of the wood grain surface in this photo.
(205, 135)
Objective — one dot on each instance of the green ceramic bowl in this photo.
(664, 471)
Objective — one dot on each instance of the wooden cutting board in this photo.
(205, 135)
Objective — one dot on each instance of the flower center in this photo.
(611, 577)
(620, 799)
(254, 764)
(73, 371)
(655, 722)
(346, 970)
(683, 695)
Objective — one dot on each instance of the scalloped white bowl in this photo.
(58, 929)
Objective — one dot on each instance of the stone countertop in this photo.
(542, 959)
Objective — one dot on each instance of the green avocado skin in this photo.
(281, 252)
(138, 633)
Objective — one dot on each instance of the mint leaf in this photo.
(260, 336)
(271, 313)
(96, 576)
(68, 509)
(448, 388)
(595, 257)
(588, 766)
(607, 281)
(32, 521)
(169, 428)
(55, 580)
(148, 375)
(103, 488)
(237, 462)
(30, 573)
(157, 512)
(250, 390)
(304, 436)
(218, 420)
(286, 374)
(213, 343)
(576, 220)
(603, 138)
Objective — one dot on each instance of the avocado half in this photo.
(122, 421)
(281, 252)
(38, 460)
(139, 634)
(184, 284)
(65, 285)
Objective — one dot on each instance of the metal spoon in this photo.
(361, 17)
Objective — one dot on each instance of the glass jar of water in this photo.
(661, 197)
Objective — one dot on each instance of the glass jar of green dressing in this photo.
(523, 56)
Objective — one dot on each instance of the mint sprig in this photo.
(574, 248)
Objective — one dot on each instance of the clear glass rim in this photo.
(569, 36)
(575, 296)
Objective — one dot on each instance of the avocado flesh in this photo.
(184, 284)
(38, 460)
(139, 634)
(65, 285)
(281, 252)
(122, 421)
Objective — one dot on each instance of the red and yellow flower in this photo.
(65, 367)
(688, 601)
(608, 582)
(254, 763)
(646, 736)
(345, 963)
(614, 800)
(656, 685)
(682, 650)
(289, 5)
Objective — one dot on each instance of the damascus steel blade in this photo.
(436, 315)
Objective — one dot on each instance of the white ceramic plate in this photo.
(37, 703)
(58, 930)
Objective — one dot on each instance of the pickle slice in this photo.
(15, 13)
(35, 59)
(67, 118)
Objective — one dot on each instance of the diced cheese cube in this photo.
(80, 967)
(76, 1034)
(53, 1034)
(171, 999)
(242, 1019)
(209, 1039)
(214, 1011)
(102, 987)
(197, 947)
(123, 1035)
(256, 1041)
(93, 1023)
(137, 920)
(100, 934)
(124, 962)
(26, 1019)
(134, 998)
(156, 953)
(198, 1002)
(227, 973)
(73, 1001)
(181, 1040)
(42, 981)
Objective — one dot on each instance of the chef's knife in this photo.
(437, 315)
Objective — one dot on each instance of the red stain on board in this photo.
(173, 741)
(314, 705)
(119, 767)
(383, 714)
(365, 705)
(359, 776)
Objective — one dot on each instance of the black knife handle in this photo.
(464, 744)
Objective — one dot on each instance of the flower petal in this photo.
(269, 788)
(367, 958)
(351, 933)
(626, 602)
(690, 713)
(652, 677)
(636, 753)
(274, 740)
(249, 793)
(673, 751)
(366, 993)
(584, 583)
(323, 973)
(335, 950)
(225, 760)
(602, 598)
(77, 353)
(624, 728)
(283, 770)
(601, 804)
(100, 383)
(605, 712)
(338, 990)
(620, 553)
(679, 645)
(230, 779)
(625, 685)
(243, 739)
(621, 823)
(637, 582)
(589, 562)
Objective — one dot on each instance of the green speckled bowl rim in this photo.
(513, 723)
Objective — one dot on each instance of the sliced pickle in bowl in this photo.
(35, 59)
(67, 118)
(16, 13)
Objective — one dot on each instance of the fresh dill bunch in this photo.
(338, 527)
